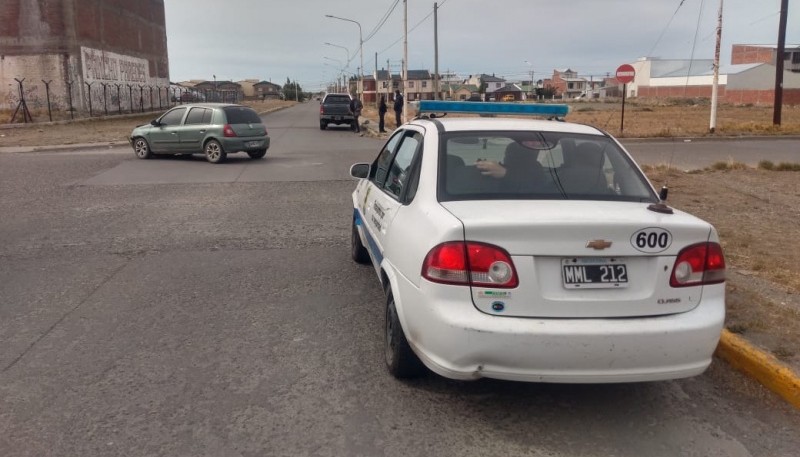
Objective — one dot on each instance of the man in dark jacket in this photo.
(381, 114)
(398, 106)
(355, 109)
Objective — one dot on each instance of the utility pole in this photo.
(715, 86)
(405, 60)
(779, 56)
(436, 95)
(376, 79)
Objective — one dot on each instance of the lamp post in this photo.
(533, 88)
(339, 68)
(341, 47)
(360, 47)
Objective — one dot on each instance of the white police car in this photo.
(532, 250)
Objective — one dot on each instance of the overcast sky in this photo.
(275, 39)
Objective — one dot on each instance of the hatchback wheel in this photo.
(257, 154)
(214, 152)
(400, 358)
(141, 148)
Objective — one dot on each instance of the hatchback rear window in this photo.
(537, 165)
(241, 115)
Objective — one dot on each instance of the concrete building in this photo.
(741, 83)
(108, 54)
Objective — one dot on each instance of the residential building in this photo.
(492, 83)
(509, 93)
(266, 90)
(566, 83)
(456, 91)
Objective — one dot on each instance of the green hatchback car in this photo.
(214, 129)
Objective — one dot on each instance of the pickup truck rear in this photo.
(335, 109)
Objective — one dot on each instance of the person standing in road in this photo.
(382, 113)
(355, 109)
(398, 106)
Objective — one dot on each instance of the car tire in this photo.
(401, 360)
(214, 152)
(142, 148)
(257, 154)
(358, 251)
(323, 125)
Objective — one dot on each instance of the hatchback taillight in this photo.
(227, 131)
(697, 265)
(470, 263)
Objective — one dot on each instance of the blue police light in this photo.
(519, 109)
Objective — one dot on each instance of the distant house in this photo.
(419, 85)
(492, 82)
(265, 90)
(509, 93)
(458, 91)
(566, 83)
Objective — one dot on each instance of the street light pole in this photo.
(341, 47)
(360, 48)
(533, 89)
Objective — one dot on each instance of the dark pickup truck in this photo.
(335, 109)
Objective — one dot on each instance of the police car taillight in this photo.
(697, 265)
(227, 131)
(470, 263)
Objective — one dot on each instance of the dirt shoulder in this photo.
(756, 213)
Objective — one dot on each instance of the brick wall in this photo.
(741, 54)
(43, 39)
(738, 97)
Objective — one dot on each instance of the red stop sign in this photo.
(625, 73)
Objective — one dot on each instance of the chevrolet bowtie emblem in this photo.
(598, 244)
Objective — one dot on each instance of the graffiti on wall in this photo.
(104, 66)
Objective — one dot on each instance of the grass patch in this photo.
(728, 165)
(784, 166)
(766, 165)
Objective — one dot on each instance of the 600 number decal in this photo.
(651, 240)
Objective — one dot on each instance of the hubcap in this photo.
(213, 151)
(140, 148)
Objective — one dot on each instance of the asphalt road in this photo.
(173, 307)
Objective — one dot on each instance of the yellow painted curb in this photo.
(763, 367)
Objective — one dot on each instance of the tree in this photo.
(293, 91)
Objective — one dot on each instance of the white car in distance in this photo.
(532, 250)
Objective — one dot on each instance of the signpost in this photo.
(625, 74)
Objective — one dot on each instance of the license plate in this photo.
(593, 273)
(253, 144)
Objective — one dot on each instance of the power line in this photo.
(412, 28)
(649, 54)
(382, 21)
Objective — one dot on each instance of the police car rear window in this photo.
(537, 165)
(241, 115)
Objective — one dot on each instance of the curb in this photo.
(760, 366)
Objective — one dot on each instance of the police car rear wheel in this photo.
(400, 358)
(357, 249)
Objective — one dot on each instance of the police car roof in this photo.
(462, 124)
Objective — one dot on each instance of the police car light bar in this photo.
(520, 109)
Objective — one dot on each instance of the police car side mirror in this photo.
(359, 170)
